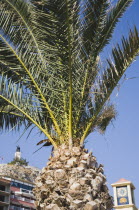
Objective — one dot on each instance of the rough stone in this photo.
(27, 173)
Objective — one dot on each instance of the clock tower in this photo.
(124, 195)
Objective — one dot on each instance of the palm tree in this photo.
(52, 79)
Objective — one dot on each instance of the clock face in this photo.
(122, 192)
(122, 195)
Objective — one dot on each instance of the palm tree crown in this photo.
(51, 75)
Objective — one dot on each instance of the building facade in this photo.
(16, 184)
(16, 194)
(4, 194)
(124, 195)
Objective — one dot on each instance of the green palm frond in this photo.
(10, 119)
(27, 55)
(50, 65)
(123, 56)
(112, 19)
(23, 102)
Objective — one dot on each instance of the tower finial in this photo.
(17, 149)
(18, 153)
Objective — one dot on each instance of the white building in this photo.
(124, 195)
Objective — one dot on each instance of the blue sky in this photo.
(118, 149)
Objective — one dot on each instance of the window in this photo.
(2, 187)
(27, 200)
(25, 191)
(19, 185)
(15, 207)
(2, 198)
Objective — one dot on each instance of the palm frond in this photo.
(50, 64)
(123, 56)
(105, 118)
(113, 16)
(9, 118)
(14, 95)
(17, 52)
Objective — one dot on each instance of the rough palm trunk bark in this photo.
(72, 180)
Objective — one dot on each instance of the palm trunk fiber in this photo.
(72, 180)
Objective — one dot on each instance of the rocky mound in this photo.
(26, 173)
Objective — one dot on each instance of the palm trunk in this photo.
(72, 180)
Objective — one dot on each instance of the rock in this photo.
(26, 173)
(92, 205)
(52, 207)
